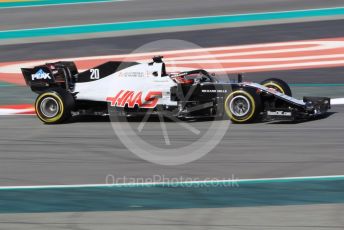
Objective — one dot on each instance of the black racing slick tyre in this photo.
(54, 106)
(242, 106)
(278, 85)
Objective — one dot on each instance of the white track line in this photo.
(181, 183)
(14, 111)
(277, 66)
(337, 101)
(318, 44)
(241, 60)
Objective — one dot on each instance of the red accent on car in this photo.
(151, 99)
(131, 99)
(113, 100)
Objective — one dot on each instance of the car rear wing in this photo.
(38, 78)
(58, 74)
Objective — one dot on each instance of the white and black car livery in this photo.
(134, 89)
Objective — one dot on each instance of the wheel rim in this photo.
(49, 107)
(274, 86)
(239, 106)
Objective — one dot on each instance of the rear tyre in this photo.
(278, 85)
(54, 106)
(242, 106)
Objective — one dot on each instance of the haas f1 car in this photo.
(134, 89)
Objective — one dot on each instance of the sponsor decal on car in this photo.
(131, 99)
(39, 75)
(214, 91)
(279, 113)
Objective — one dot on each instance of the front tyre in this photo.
(278, 85)
(54, 106)
(242, 106)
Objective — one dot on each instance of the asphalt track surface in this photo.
(322, 217)
(148, 18)
(121, 11)
(86, 151)
(95, 151)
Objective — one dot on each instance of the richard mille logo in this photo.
(214, 91)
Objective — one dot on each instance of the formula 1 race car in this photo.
(135, 89)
